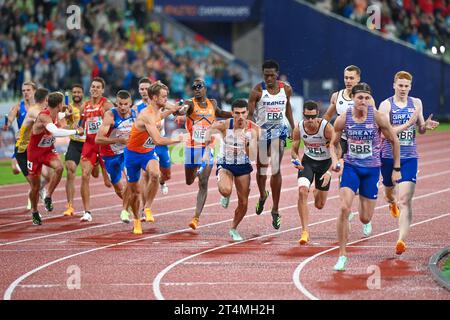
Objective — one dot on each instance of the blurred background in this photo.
(59, 43)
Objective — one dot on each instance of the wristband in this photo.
(397, 169)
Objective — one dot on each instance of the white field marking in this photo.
(157, 280)
(301, 266)
(23, 194)
(182, 169)
(165, 213)
(63, 189)
(9, 291)
(211, 189)
(162, 198)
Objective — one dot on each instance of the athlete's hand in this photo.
(80, 131)
(326, 177)
(431, 124)
(396, 176)
(182, 137)
(5, 127)
(180, 120)
(297, 164)
(413, 118)
(122, 140)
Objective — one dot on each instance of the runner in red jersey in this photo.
(41, 150)
(94, 109)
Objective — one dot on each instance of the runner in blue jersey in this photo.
(113, 135)
(363, 125)
(406, 115)
(19, 111)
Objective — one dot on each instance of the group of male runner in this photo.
(129, 141)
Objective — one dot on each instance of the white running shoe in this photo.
(42, 193)
(224, 201)
(340, 264)
(87, 217)
(235, 235)
(164, 188)
(367, 229)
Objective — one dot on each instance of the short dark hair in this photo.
(352, 67)
(361, 87)
(123, 94)
(155, 88)
(271, 64)
(40, 95)
(100, 79)
(77, 85)
(144, 80)
(239, 103)
(311, 105)
(55, 99)
(200, 80)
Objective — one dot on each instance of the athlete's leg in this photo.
(190, 174)
(152, 170)
(406, 193)
(242, 184)
(56, 165)
(71, 168)
(346, 196)
(202, 190)
(225, 182)
(86, 170)
(277, 151)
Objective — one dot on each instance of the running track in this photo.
(171, 261)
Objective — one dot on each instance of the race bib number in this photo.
(360, 149)
(274, 115)
(315, 151)
(93, 125)
(406, 138)
(46, 141)
(149, 143)
(199, 134)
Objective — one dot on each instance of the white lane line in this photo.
(158, 278)
(301, 266)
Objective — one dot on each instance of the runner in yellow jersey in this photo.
(73, 154)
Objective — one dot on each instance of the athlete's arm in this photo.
(101, 138)
(155, 134)
(295, 143)
(219, 112)
(335, 145)
(331, 111)
(385, 108)
(12, 114)
(107, 106)
(217, 128)
(389, 134)
(255, 95)
(330, 134)
(288, 90)
(252, 146)
(429, 124)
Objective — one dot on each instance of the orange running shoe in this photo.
(304, 238)
(137, 227)
(395, 211)
(400, 247)
(69, 211)
(194, 223)
(148, 215)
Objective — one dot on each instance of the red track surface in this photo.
(171, 261)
